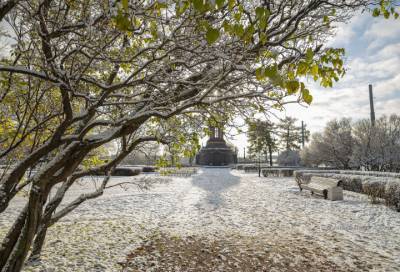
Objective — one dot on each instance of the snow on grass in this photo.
(223, 205)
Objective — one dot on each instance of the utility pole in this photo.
(270, 154)
(302, 134)
(371, 104)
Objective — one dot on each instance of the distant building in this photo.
(216, 152)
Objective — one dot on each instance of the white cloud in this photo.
(387, 107)
(345, 32)
(389, 87)
(381, 29)
(390, 51)
(369, 69)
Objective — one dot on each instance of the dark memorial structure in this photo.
(216, 152)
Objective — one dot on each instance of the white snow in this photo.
(219, 203)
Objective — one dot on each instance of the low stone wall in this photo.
(377, 185)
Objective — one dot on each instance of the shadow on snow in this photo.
(214, 181)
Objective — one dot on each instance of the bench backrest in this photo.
(326, 182)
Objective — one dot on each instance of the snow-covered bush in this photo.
(392, 195)
(149, 169)
(250, 168)
(371, 173)
(350, 182)
(304, 176)
(289, 158)
(376, 187)
(278, 171)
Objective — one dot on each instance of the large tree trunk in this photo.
(17, 243)
(32, 224)
(9, 184)
(51, 206)
(5, 197)
(14, 256)
(39, 241)
(12, 237)
(50, 218)
(42, 228)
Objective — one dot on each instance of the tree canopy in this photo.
(262, 139)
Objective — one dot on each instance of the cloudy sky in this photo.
(373, 57)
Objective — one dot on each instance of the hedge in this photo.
(377, 185)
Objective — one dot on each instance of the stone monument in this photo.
(216, 152)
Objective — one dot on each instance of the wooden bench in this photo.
(329, 188)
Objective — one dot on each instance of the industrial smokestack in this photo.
(371, 104)
(302, 134)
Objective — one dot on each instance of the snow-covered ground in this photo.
(229, 206)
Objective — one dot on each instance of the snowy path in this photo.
(351, 234)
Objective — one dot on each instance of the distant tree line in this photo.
(286, 136)
(356, 145)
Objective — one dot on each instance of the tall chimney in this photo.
(302, 134)
(371, 104)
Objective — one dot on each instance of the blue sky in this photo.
(372, 57)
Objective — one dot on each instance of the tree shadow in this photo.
(214, 181)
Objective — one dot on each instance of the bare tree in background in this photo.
(345, 145)
(377, 147)
(333, 147)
